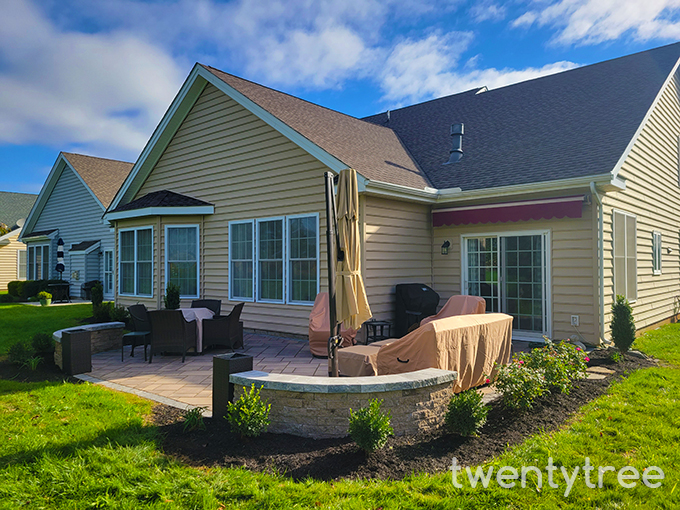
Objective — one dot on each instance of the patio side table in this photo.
(372, 328)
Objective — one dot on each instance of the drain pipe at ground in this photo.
(600, 246)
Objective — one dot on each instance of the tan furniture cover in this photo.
(458, 305)
(320, 328)
(468, 344)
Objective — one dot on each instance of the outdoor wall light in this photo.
(445, 248)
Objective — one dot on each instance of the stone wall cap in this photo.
(89, 327)
(368, 384)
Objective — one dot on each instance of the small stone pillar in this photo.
(76, 351)
(223, 366)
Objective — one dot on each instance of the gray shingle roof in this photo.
(163, 198)
(573, 124)
(15, 206)
(103, 176)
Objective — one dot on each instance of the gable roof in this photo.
(103, 176)
(15, 206)
(573, 124)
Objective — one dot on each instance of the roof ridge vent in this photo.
(456, 153)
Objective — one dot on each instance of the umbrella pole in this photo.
(331, 254)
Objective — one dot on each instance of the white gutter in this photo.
(600, 247)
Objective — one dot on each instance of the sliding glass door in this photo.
(511, 273)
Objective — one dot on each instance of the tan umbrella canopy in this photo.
(351, 302)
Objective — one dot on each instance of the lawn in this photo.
(20, 321)
(80, 446)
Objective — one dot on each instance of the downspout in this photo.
(600, 246)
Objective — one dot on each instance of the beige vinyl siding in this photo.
(653, 196)
(398, 249)
(571, 267)
(9, 259)
(227, 156)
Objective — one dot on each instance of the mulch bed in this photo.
(331, 459)
(46, 371)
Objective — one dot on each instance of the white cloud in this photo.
(104, 92)
(487, 11)
(596, 21)
(418, 70)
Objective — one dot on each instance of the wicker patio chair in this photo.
(226, 330)
(171, 332)
(141, 333)
(214, 305)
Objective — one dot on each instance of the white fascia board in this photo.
(184, 93)
(304, 143)
(5, 238)
(44, 194)
(617, 168)
(199, 210)
(95, 246)
(396, 191)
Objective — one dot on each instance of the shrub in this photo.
(32, 363)
(6, 298)
(15, 288)
(44, 295)
(466, 414)
(519, 385)
(102, 313)
(32, 287)
(249, 415)
(119, 314)
(369, 427)
(560, 364)
(42, 342)
(193, 419)
(171, 298)
(20, 352)
(623, 324)
(97, 294)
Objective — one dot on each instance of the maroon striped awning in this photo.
(545, 208)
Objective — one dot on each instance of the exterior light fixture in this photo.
(445, 248)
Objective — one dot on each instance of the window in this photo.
(270, 260)
(39, 262)
(303, 256)
(135, 266)
(656, 253)
(21, 264)
(511, 273)
(108, 272)
(181, 258)
(625, 255)
(241, 281)
(275, 260)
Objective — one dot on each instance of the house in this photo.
(69, 208)
(547, 197)
(14, 208)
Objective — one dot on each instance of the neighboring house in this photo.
(14, 208)
(70, 207)
(566, 194)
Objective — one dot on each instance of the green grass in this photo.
(21, 321)
(82, 446)
(662, 343)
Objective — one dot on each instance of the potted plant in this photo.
(45, 298)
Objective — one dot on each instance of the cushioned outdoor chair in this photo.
(141, 330)
(225, 330)
(214, 305)
(171, 332)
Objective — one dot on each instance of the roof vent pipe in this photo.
(456, 152)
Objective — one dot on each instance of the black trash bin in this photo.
(414, 302)
(223, 366)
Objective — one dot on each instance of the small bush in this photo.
(97, 294)
(520, 386)
(32, 363)
(42, 342)
(171, 298)
(369, 427)
(193, 419)
(15, 288)
(623, 324)
(466, 414)
(102, 313)
(560, 364)
(44, 295)
(119, 314)
(20, 352)
(249, 415)
(6, 298)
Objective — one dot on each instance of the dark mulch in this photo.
(331, 459)
(46, 371)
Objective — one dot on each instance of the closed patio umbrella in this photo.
(351, 301)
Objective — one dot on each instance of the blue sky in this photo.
(95, 77)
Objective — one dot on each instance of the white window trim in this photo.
(547, 280)
(113, 272)
(284, 244)
(625, 255)
(252, 260)
(657, 245)
(198, 257)
(135, 229)
(42, 264)
(287, 279)
(19, 264)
